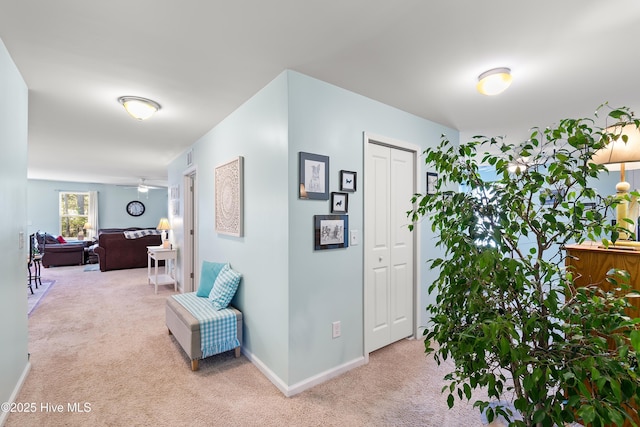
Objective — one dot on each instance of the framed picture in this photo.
(348, 181)
(432, 180)
(339, 203)
(229, 197)
(174, 192)
(174, 207)
(331, 231)
(314, 176)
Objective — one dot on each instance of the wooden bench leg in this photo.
(237, 351)
(194, 365)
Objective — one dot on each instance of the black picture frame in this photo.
(331, 231)
(314, 176)
(339, 202)
(432, 180)
(348, 181)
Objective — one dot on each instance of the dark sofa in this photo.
(55, 253)
(116, 252)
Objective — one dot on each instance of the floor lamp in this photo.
(622, 153)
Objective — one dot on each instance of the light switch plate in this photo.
(354, 239)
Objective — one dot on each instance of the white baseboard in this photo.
(16, 390)
(325, 376)
(271, 376)
(306, 384)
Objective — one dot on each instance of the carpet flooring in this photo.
(101, 356)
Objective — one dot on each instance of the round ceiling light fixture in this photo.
(494, 81)
(139, 108)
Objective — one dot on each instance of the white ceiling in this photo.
(202, 59)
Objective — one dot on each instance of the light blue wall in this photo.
(290, 293)
(327, 286)
(13, 213)
(258, 132)
(42, 213)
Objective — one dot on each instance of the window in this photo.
(74, 213)
(488, 213)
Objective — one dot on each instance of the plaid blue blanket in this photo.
(218, 328)
(135, 234)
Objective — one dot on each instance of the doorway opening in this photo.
(190, 219)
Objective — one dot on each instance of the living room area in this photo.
(49, 215)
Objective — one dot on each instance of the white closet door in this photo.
(389, 279)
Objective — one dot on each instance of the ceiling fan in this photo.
(142, 187)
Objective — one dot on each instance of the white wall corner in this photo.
(306, 384)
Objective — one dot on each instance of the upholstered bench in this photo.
(185, 327)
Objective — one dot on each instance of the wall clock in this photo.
(135, 208)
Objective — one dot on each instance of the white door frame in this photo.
(370, 138)
(190, 222)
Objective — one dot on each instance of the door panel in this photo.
(389, 247)
(381, 304)
(402, 189)
(378, 247)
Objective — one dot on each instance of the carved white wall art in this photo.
(229, 197)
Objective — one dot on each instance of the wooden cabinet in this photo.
(591, 263)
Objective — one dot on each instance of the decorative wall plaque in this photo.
(229, 197)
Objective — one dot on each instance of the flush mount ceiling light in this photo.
(139, 108)
(494, 81)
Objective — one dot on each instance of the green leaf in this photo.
(635, 339)
(615, 388)
(587, 413)
(467, 391)
(539, 416)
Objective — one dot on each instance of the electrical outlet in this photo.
(336, 329)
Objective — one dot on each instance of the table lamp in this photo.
(87, 227)
(622, 153)
(164, 226)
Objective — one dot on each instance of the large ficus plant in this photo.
(507, 311)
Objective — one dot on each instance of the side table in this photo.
(158, 253)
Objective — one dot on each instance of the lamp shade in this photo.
(139, 108)
(87, 226)
(163, 224)
(619, 151)
(494, 81)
